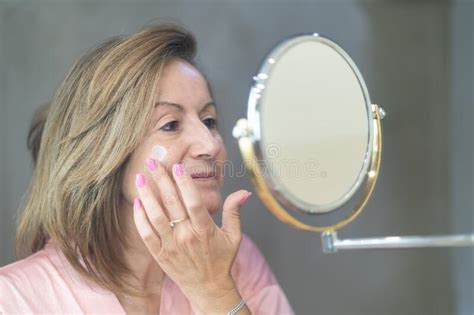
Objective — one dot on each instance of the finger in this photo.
(144, 228)
(168, 192)
(231, 213)
(199, 215)
(153, 210)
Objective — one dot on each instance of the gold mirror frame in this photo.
(248, 133)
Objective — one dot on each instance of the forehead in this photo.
(180, 80)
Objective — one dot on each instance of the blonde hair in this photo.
(36, 130)
(97, 118)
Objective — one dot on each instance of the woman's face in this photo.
(183, 123)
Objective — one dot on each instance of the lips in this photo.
(203, 175)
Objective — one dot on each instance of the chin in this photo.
(212, 202)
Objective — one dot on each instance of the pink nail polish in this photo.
(137, 204)
(178, 169)
(244, 199)
(151, 164)
(140, 180)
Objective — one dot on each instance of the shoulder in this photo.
(21, 280)
(251, 268)
(247, 243)
(46, 283)
(36, 284)
(25, 270)
(256, 281)
(249, 257)
(248, 247)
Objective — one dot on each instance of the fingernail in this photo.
(159, 152)
(178, 169)
(140, 180)
(244, 199)
(136, 203)
(151, 164)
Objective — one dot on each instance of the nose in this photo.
(203, 142)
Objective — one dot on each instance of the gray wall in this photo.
(461, 148)
(410, 53)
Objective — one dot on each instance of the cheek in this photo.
(136, 164)
(221, 162)
(129, 190)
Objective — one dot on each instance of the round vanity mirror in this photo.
(312, 143)
(312, 137)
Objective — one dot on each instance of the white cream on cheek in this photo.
(159, 152)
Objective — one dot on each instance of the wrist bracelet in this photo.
(236, 308)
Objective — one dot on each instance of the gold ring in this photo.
(172, 223)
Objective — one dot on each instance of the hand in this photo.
(196, 254)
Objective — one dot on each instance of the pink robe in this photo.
(46, 283)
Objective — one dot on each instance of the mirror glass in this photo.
(313, 113)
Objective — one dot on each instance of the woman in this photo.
(117, 217)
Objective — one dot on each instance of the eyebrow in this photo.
(180, 107)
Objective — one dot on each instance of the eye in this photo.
(211, 123)
(171, 126)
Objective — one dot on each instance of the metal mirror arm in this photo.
(331, 243)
